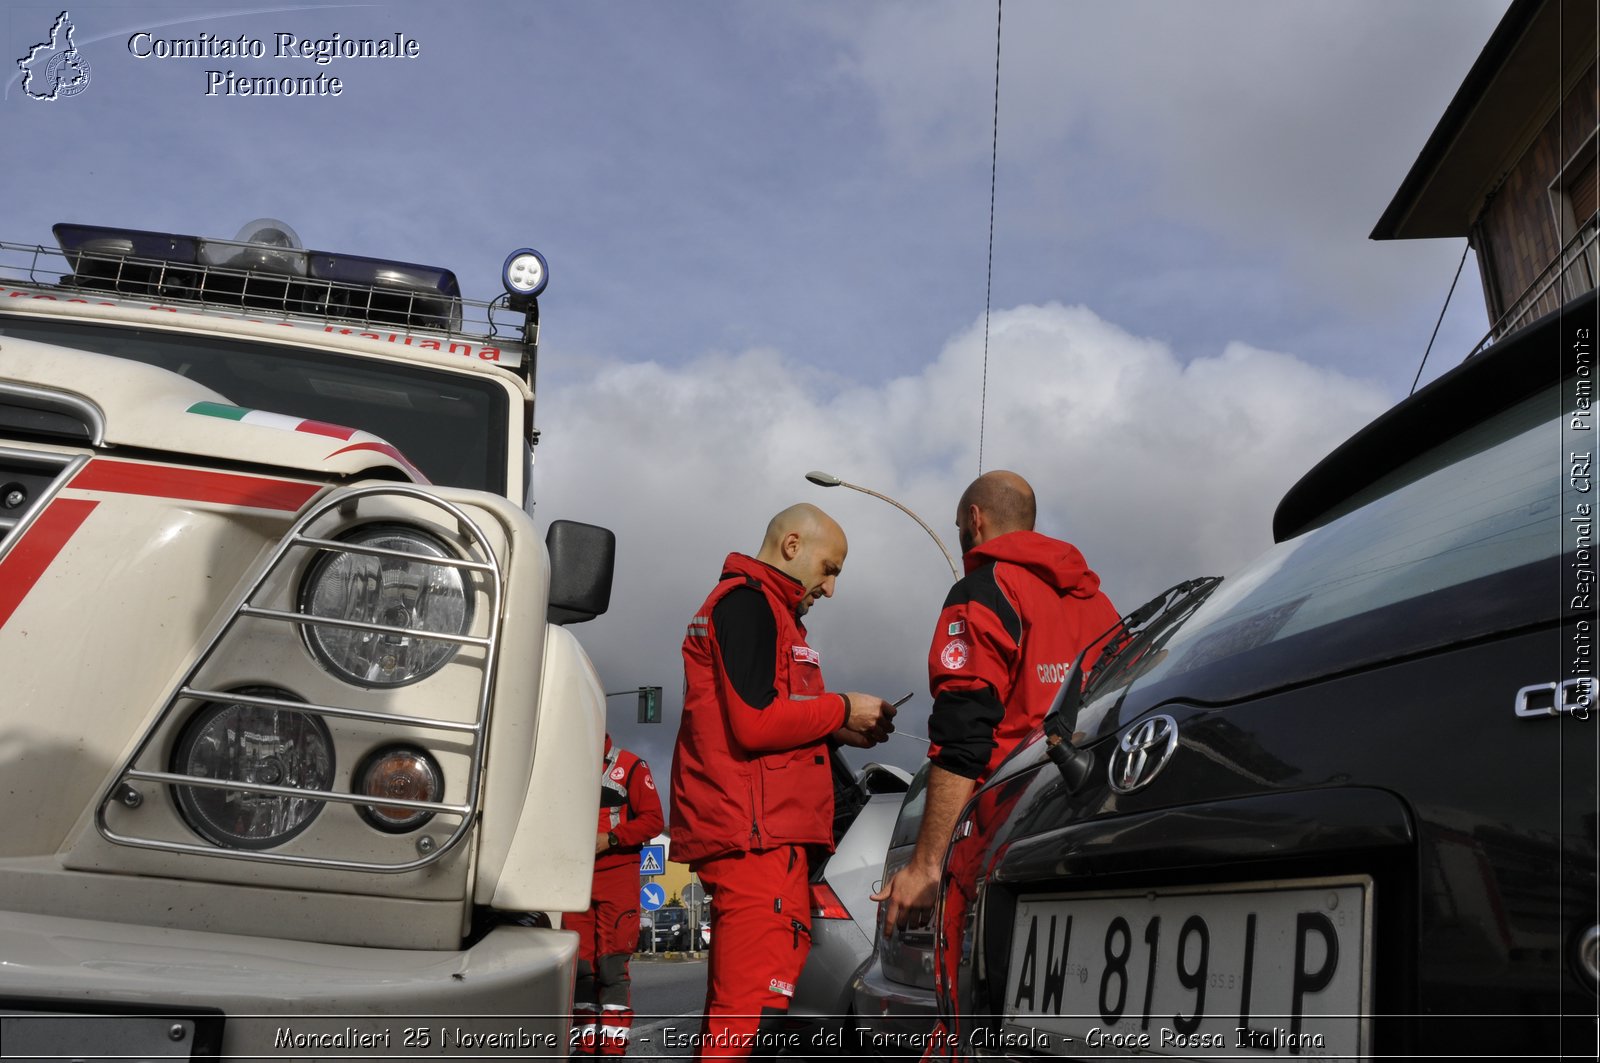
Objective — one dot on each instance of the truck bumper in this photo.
(205, 994)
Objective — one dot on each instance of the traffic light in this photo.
(649, 704)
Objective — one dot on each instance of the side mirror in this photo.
(583, 558)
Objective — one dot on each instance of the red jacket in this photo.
(751, 767)
(1009, 631)
(629, 806)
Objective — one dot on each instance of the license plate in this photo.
(58, 1035)
(1274, 968)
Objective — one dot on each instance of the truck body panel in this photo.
(287, 736)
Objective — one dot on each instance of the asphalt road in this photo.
(667, 998)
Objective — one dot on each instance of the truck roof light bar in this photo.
(268, 271)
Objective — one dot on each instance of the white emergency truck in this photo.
(295, 747)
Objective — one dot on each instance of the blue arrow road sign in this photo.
(652, 860)
(652, 896)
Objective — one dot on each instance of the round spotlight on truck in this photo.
(401, 598)
(403, 772)
(525, 274)
(258, 745)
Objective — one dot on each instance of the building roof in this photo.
(1531, 61)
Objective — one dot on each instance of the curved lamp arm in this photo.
(823, 479)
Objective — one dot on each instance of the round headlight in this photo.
(392, 591)
(403, 772)
(252, 744)
(525, 273)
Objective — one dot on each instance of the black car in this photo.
(1343, 802)
(671, 929)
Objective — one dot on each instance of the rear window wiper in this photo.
(1135, 628)
(1139, 622)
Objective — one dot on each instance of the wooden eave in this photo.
(1532, 60)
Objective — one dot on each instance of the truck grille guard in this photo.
(285, 553)
(21, 470)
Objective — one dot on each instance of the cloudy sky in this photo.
(767, 226)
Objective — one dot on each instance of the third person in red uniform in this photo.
(630, 815)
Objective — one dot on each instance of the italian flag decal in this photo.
(356, 439)
(275, 420)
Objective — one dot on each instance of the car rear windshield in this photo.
(909, 822)
(452, 426)
(1484, 504)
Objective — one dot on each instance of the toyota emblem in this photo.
(1141, 754)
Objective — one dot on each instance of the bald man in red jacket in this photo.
(1009, 630)
(752, 783)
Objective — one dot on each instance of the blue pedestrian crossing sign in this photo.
(653, 860)
(652, 896)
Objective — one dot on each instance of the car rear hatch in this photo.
(1343, 806)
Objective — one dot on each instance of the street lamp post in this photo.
(823, 479)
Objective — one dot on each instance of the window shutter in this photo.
(1581, 189)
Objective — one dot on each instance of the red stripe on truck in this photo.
(21, 568)
(28, 558)
(194, 485)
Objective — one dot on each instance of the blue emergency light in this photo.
(264, 267)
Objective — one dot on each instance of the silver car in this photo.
(890, 1001)
(843, 917)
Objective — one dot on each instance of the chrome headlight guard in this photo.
(294, 554)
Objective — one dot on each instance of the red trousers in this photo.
(760, 934)
(602, 1008)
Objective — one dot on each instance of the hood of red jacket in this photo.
(1059, 564)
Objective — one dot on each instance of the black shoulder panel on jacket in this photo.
(979, 587)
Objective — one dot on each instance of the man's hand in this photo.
(846, 737)
(912, 891)
(911, 894)
(871, 719)
(602, 842)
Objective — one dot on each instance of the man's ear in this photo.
(976, 522)
(790, 546)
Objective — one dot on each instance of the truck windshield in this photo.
(452, 426)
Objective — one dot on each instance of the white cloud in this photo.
(1159, 468)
